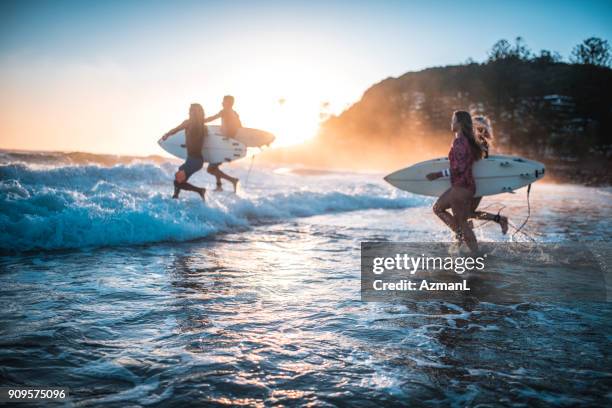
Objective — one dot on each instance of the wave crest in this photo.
(89, 206)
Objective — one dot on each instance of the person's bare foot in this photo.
(503, 223)
(235, 184)
(203, 194)
(219, 188)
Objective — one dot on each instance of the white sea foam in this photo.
(68, 206)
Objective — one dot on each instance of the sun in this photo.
(293, 120)
(286, 95)
(277, 95)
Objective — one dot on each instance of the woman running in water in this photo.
(463, 153)
(195, 132)
(484, 136)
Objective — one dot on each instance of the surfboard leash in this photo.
(246, 181)
(482, 224)
(517, 230)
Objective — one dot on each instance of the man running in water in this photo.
(195, 132)
(230, 123)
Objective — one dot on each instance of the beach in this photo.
(127, 297)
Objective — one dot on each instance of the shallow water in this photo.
(130, 298)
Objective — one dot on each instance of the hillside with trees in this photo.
(541, 107)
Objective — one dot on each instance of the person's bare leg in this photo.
(235, 184)
(180, 183)
(503, 223)
(461, 202)
(179, 177)
(440, 209)
(190, 187)
(216, 171)
(475, 203)
(498, 218)
(468, 235)
(486, 216)
(212, 169)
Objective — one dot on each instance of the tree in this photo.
(500, 50)
(503, 50)
(592, 51)
(520, 50)
(547, 57)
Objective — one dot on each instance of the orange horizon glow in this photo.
(107, 107)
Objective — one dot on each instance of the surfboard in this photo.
(248, 136)
(493, 175)
(216, 148)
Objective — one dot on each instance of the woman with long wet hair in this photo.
(464, 151)
(195, 132)
(483, 131)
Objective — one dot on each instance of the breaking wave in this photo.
(64, 206)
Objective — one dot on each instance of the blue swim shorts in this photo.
(191, 165)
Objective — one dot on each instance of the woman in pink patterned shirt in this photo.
(463, 153)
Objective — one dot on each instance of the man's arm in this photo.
(175, 130)
(214, 117)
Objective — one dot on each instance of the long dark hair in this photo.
(196, 120)
(467, 129)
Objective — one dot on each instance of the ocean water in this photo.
(130, 298)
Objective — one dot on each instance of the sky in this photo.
(113, 76)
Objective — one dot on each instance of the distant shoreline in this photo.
(594, 173)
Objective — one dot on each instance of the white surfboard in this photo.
(216, 148)
(248, 136)
(494, 175)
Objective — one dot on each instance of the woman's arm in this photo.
(175, 130)
(434, 176)
(459, 159)
(211, 118)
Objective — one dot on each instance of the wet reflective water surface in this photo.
(268, 312)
